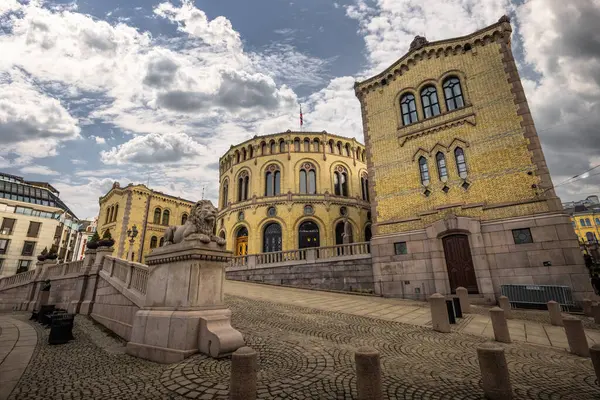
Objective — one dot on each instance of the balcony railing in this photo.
(300, 256)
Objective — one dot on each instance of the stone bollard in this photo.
(504, 304)
(495, 378)
(576, 336)
(555, 315)
(243, 374)
(439, 313)
(501, 333)
(596, 313)
(368, 374)
(463, 297)
(587, 307)
(595, 354)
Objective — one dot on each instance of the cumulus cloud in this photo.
(39, 170)
(153, 148)
(99, 139)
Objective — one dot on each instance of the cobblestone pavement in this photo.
(303, 354)
(526, 326)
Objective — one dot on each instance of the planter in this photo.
(92, 245)
(51, 256)
(106, 243)
(41, 258)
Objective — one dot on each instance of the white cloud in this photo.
(99, 139)
(154, 148)
(78, 162)
(39, 170)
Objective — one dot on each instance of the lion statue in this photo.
(201, 222)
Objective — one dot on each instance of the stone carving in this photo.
(418, 42)
(504, 18)
(201, 222)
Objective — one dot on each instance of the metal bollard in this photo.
(457, 307)
(495, 377)
(439, 313)
(554, 311)
(368, 374)
(576, 336)
(450, 310)
(243, 374)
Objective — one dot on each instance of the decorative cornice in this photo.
(423, 51)
(441, 122)
(185, 257)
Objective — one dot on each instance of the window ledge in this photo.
(437, 123)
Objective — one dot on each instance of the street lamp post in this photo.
(131, 234)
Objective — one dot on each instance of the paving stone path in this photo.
(303, 354)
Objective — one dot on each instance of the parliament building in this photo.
(460, 191)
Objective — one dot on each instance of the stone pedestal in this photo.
(504, 303)
(463, 297)
(184, 311)
(499, 325)
(91, 268)
(439, 313)
(555, 315)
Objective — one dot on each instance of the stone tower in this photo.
(461, 194)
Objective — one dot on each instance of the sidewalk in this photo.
(17, 343)
(404, 311)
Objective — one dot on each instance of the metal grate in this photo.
(538, 295)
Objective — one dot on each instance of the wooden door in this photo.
(241, 246)
(460, 263)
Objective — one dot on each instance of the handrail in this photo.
(340, 250)
(139, 277)
(74, 267)
(17, 279)
(281, 256)
(54, 270)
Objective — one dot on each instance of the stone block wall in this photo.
(64, 291)
(351, 274)
(15, 296)
(113, 310)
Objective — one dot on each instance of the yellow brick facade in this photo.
(506, 171)
(122, 208)
(289, 152)
(587, 226)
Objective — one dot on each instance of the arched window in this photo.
(244, 154)
(331, 146)
(250, 151)
(225, 194)
(461, 164)
(409, 109)
(591, 237)
(108, 212)
(263, 149)
(364, 185)
(340, 181)
(162, 242)
(308, 179)
(157, 214)
(597, 221)
(316, 145)
(339, 232)
(272, 180)
(116, 212)
(153, 242)
(424, 170)
(272, 238)
(582, 222)
(441, 165)
(237, 157)
(184, 218)
(453, 94)
(282, 146)
(307, 145)
(308, 235)
(339, 148)
(587, 222)
(297, 144)
(429, 99)
(347, 149)
(362, 156)
(243, 183)
(165, 217)
(273, 147)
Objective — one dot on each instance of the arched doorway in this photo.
(339, 232)
(460, 263)
(368, 234)
(241, 242)
(308, 235)
(272, 238)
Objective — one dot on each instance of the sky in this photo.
(153, 92)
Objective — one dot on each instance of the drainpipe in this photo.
(143, 237)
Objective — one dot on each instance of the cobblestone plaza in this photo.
(305, 352)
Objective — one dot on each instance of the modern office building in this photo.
(33, 217)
